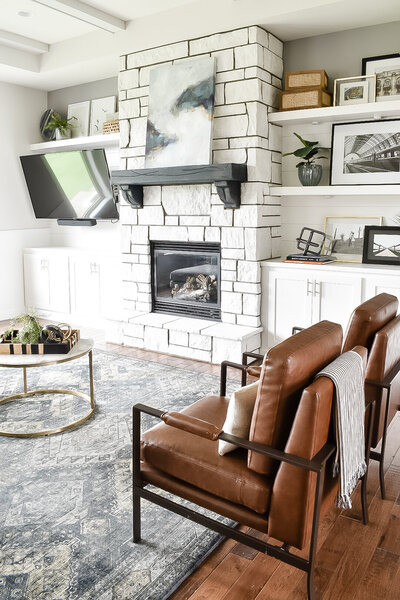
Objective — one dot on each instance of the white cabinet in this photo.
(301, 297)
(46, 278)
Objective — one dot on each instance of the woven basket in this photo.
(111, 126)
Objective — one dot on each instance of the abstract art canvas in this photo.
(181, 109)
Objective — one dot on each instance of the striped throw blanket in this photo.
(347, 374)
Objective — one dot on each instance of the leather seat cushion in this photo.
(196, 461)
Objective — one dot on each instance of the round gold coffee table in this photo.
(25, 361)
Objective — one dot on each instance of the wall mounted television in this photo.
(73, 187)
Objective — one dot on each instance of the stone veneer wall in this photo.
(248, 76)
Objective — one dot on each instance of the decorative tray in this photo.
(45, 348)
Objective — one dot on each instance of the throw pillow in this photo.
(238, 416)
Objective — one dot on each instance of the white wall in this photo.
(20, 109)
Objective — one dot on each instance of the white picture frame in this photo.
(354, 90)
(347, 235)
(99, 111)
(79, 113)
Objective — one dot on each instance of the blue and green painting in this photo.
(181, 109)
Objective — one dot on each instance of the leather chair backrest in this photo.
(384, 354)
(287, 369)
(367, 319)
(292, 499)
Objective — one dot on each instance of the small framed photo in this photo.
(354, 90)
(366, 153)
(387, 71)
(347, 236)
(79, 112)
(381, 245)
(101, 107)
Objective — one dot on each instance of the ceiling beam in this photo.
(87, 14)
(22, 43)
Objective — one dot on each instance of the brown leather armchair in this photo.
(374, 326)
(279, 481)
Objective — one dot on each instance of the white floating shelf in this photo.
(81, 143)
(330, 114)
(336, 190)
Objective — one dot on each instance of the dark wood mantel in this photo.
(226, 177)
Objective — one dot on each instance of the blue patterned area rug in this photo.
(65, 500)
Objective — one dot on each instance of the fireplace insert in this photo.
(186, 279)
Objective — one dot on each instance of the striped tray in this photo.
(63, 348)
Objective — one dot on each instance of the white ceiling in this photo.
(58, 50)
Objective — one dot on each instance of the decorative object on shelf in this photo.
(100, 108)
(306, 79)
(308, 171)
(312, 243)
(41, 347)
(381, 245)
(347, 235)
(80, 112)
(23, 329)
(354, 90)
(181, 110)
(112, 125)
(366, 153)
(387, 71)
(61, 126)
(47, 134)
(56, 334)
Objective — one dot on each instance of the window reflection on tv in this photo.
(70, 185)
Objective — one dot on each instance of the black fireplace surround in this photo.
(186, 279)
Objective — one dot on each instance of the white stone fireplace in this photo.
(248, 77)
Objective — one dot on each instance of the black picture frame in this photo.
(364, 61)
(365, 175)
(378, 253)
(385, 69)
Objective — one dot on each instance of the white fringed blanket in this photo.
(347, 374)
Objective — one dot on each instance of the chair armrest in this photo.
(224, 367)
(387, 381)
(296, 329)
(247, 355)
(192, 425)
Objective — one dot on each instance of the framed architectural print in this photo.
(381, 245)
(366, 153)
(354, 90)
(387, 71)
(347, 236)
(101, 108)
(79, 112)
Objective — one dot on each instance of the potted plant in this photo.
(61, 125)
(309, 172)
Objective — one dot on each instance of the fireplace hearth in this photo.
(186, 279)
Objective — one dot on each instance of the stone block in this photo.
(170, 233)
(134, 330)
(221, 217)
(138, 130)
(276, 173)
(128, 79)
(129, 109)
(249, 288)
(157, 55)
(122, 62)
(138, 93)
(171, 220)
(133, 342)
(275, 137)
(186, 200)
(258, 35)
(259, 165)
(276, 247)
(124, 133)
(258, 119)
(231, 126)
(126, 239)
(248, 320)
(144, 288)
(236, 253)
(257, 243)
(230, 109)
(273, 63)
(127, 214)
(270, 94)
(253, 343)
(252, 193)
(192, 353)
(134, 152)
(243, 91)
(144, 101)
(231, 301)
(122, 95)
(234, 75)
(219, 41)
(228, 275)
(228, 265)
(212, 234)
(179, 338)
(195, 234)
(251, 215)
(144, 259)
(188, 324)
(151, 215)
(248, 141)
(200, 342)
(152, 195)
(251, 55)
(219, 94)
(259, 73)
(142, 273)
(155, 339)
(224, 60)
(232, 237)
(226, 350)
(227, 286)
(139, 248)
(275, 45)
(195, 220)
(228, 318)
(222, 144)
(249, 271)
(229, 156)
(252, 304)
(135, 163)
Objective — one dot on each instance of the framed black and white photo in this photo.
(387, 71)
(366, 153)
(354, 90)
(381, 245)
(346, 236)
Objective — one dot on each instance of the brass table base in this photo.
(26, 394)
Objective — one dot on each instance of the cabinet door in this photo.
(59, 283)
(289, 304)
(37, 281)
(86, 287)
(376, 285)
(110, 288)
(335, 296)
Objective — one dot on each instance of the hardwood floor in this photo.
(354, 562)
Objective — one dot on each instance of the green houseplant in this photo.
(309, 172)
(61, 125)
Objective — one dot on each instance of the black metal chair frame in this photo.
(316, 465)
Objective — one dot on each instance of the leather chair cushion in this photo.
(367, 319)
(287, 369)
(196, 460)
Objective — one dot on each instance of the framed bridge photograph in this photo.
(366, 153)
(381, 245)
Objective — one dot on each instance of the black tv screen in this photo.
(70, 185)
